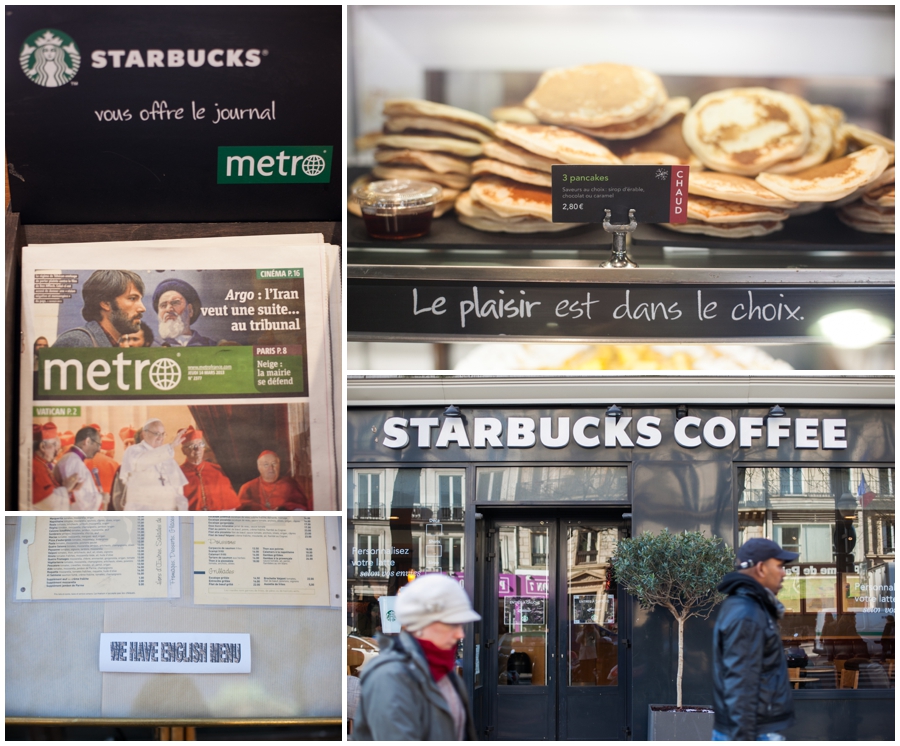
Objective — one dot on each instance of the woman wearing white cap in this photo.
(411, 692)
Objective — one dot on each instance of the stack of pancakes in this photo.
(511, 192)
(607, 101)
(770, 149)
(426, 141)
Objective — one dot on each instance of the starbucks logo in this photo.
(49, 58)
(313, 165)
(391, 616)
(165, 374)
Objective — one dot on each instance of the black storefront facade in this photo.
(523, 487)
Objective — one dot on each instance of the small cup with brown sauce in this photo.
(397, 209)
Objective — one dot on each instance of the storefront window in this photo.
(552, 483)
(402, 523)
(838, 629)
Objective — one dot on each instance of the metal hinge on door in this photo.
(488, 644)
(490, 535)
(625, 643)
(626, 731)
(488, 729)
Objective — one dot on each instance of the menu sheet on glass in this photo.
(66, 558)
(189, 377)
(273, 561)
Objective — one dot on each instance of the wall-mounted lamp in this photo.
(452, 411)
(681, 411)
(614, 411)
(775, 411)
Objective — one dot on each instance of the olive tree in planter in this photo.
(679, 572)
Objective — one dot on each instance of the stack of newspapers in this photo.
(208, 385)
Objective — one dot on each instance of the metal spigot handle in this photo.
(619, 257)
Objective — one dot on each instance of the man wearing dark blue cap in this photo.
(178, 306)
(752, 692)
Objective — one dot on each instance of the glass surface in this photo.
(593, 611)
(838, 629)
(401, 523)
(523, 598)
(562, 483)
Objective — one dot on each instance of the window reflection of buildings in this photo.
(433, 523)
(556, 483)
(841, 523)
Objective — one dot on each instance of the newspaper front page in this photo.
(205, 386)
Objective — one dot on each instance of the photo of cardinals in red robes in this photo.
(270, 490)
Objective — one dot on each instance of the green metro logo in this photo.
(274, 164)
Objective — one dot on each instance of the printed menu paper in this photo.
(65, 558)
(271, 561)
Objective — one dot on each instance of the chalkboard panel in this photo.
(104, 121)
(618, 311)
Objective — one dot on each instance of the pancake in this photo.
(509, 153)
(734, 188)
(437, 162)
(735, 230)
(451, 145)
(887, 177)
(596, 95)
(667, 139)
(831, 180)
(805, 208)
(475, 215)
(509, 171)
(859, 137)
(642, 125)
(511, 199)
(864, 226)
(561, 145)
(517, 114)
(367, 141)
(868, 213)
(719, 211)
(658, 159)
(454, 181)
(883, 196)
(436, 125)
(746, 130)
(412, 107)
(820, 143)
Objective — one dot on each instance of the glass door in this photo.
(559, 654)
(594, 634)
(524, 662)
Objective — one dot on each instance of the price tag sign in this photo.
(583, 194)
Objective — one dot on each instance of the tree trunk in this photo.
(680, 662)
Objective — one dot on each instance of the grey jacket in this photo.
(399, 700)
(89, 335)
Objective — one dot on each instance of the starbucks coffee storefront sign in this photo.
(174, 114)
(614, 432)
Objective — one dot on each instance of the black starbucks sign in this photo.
(174, 114)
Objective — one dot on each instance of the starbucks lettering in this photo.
(615, 432)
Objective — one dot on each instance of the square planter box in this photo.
(692, 723)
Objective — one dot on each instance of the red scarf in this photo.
(440, 662)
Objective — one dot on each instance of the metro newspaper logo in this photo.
(274, 164)
(274, 370)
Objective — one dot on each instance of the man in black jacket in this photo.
(752, 696)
